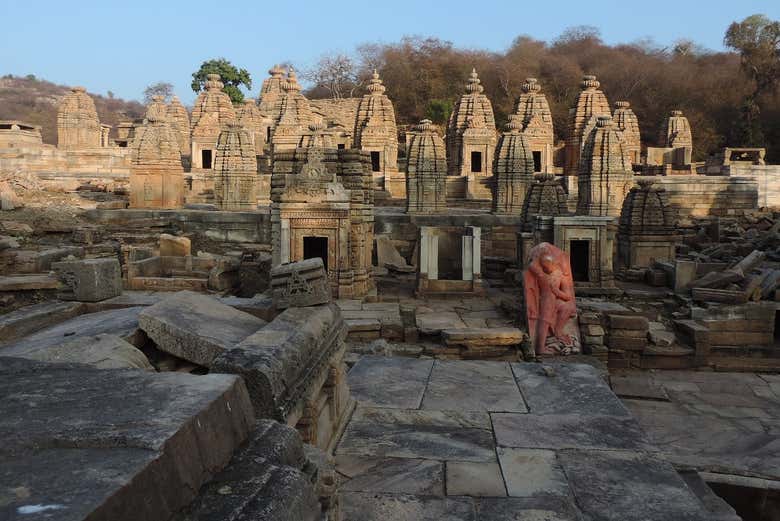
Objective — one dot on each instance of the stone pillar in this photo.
(476, 252)
(284, 246)
(429, 253)
(468, 257)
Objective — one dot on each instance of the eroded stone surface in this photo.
(113, 444)
(419, 434)
(392, 475)
(363, 506)
(120, 322)
(569, 431)
(101, 351)
(474, 479)
(532, 472)
(389, 382)
(625, 486)
(473, 386)
(570, 389)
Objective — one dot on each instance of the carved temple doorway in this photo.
(314, 247)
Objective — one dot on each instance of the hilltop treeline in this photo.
(35, 101)
(424, 76)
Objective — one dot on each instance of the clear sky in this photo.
(122, 46)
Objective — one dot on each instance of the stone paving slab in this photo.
(541, 459)
(743, 447)
(433, 323)
(474, 479)
(532, 472)
(624, 486)
(362, 506)
(568, 389)
(397, 382)
(473, 386)
(527, 509)
(391, 475)
(398, 433)
(569, 431)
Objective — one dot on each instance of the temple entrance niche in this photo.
(376, 161)
(316, 247)
(206, 158)
(590, 243)
(580, 260)
(476, 162)
(450, 260)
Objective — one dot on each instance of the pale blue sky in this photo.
(124, 46)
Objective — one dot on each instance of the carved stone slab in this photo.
(300, 284)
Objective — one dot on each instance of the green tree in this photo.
(439, 111)
(232, 77)
(757, 39)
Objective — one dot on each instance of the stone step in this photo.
(479, 336)
(28, 282)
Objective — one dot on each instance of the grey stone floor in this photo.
(483, 440)
(722, 423)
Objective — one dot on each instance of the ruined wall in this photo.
(767, 178)
(67, 169)
(699, 196)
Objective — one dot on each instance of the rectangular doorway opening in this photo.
(267, 134)
(579, 252)
(205, 156)
(341, 146)
(375, 164)
(537, 160)
(476, 162)
(314, 247)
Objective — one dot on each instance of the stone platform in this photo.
(489, 440)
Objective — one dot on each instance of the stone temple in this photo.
(309, 309)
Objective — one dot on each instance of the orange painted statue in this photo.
(549, 301)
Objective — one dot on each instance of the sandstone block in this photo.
(627, 333)
(172, 246)
(89, 280)
(16, 228)
(589, 318)
(662, 338)
(629, 344)
(468, 337)
(28, 283)
(300, 284)
(196, 327)
(593, 330)
(628, 322)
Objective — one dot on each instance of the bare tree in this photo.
(160, 88)
(337, 73)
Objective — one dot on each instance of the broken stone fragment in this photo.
(101, 351)
(300, 284)
(196, 327)
(172, 246)
(89, 280)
